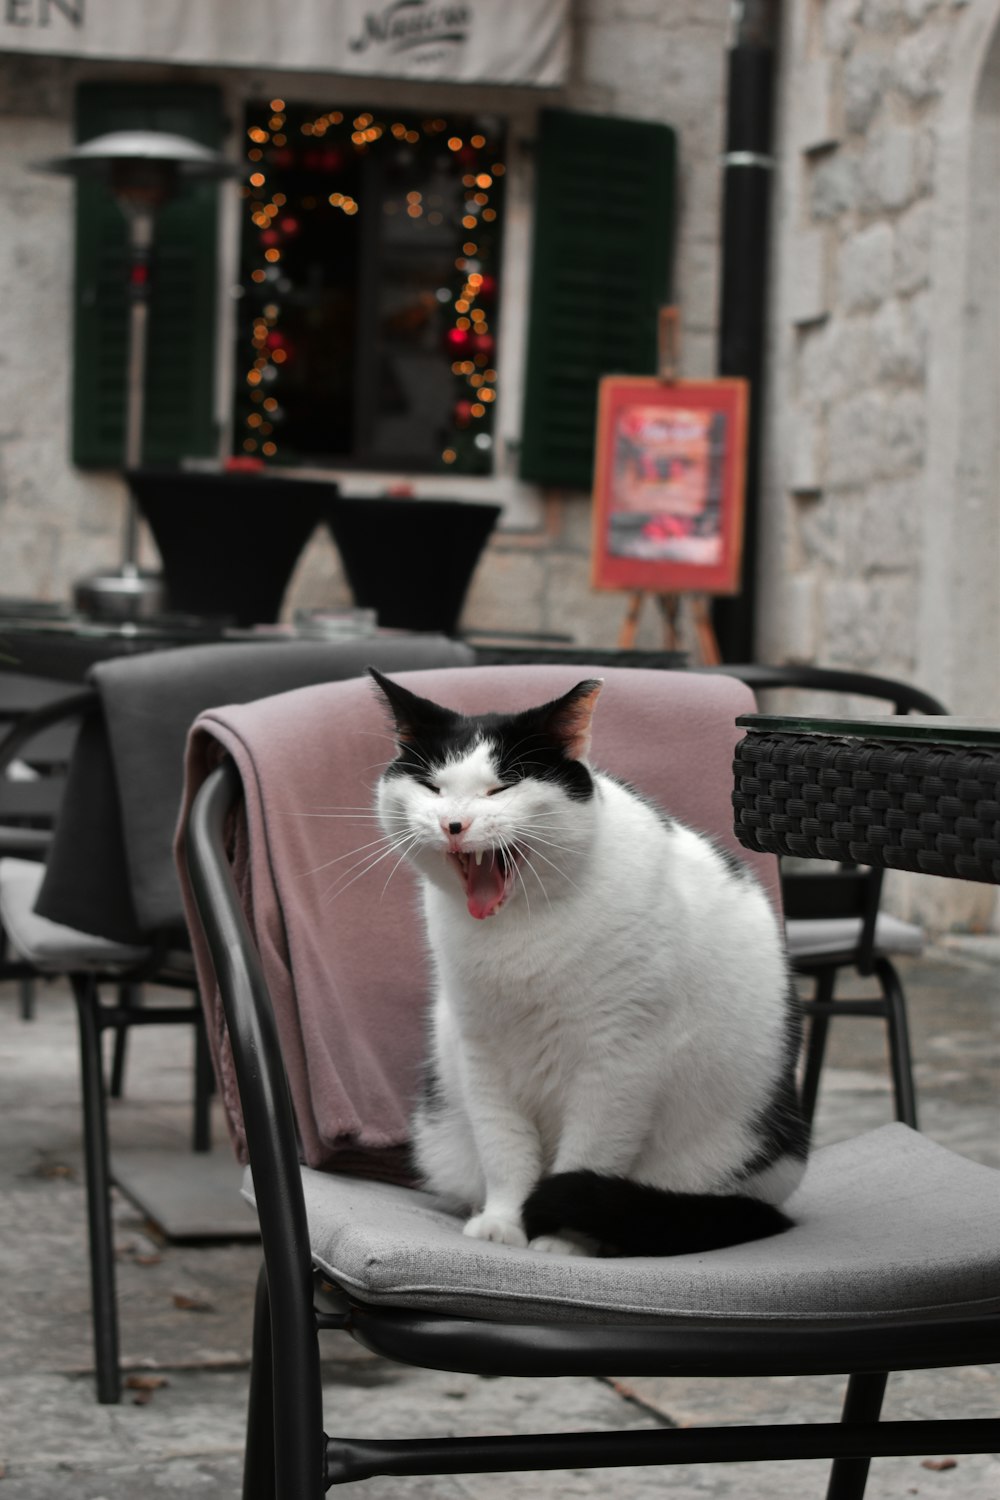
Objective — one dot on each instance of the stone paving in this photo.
(185, 1309)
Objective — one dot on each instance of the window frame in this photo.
(522, 502)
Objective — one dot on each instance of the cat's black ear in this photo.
(414, 716)
(568, 720)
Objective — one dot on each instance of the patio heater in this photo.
(144, 169)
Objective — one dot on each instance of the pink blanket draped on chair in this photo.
(338, 928)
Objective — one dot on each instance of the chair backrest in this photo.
(110, 870)
(39, 723)
(338, 930)
(848, 891)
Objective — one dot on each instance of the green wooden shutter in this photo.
(604, 221)
(181, 350)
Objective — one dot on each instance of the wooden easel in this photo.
(699, 607)
(669, 605)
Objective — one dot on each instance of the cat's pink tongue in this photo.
(485, 886)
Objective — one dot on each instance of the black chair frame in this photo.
(95, 1016)
(848, 891)
(289, 1456)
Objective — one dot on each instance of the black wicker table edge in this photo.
(924, 806)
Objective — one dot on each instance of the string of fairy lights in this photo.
(314, 149)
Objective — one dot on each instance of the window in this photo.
(370, 284)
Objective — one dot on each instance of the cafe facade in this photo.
(441, 213)
(443, 210)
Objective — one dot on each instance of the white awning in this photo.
(459, 41)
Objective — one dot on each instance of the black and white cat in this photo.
(613, 1032)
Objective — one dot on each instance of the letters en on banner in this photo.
(669, 476)
(458, 41)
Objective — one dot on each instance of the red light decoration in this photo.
(471, 295)
(459, 340)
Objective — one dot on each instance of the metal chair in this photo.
(105, 909)
(38, 722)
(833, 918)
(893, 1262)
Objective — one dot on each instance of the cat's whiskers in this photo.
(364, 858)
(541, 883)
(345, 812)
(551, 863)
(413, 838)
(367, 863)
(374, 844)
(510, 853)
(531, 826)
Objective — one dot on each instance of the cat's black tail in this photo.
(632, 1219)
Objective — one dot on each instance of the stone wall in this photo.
(878, 526)
(853, 341)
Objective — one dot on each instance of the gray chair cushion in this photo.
(825, 937)
(886, 1222)
(51, 946)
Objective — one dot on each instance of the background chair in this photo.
(105, 908)
(833, 917)
(38, 723)
(893, 1263)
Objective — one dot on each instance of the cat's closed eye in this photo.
(429, 786)
(495, 789)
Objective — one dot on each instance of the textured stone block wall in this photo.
(861, 90)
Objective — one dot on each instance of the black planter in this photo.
(228, 542)
(410, 560)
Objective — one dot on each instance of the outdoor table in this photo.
(66, 646)
(903, 793)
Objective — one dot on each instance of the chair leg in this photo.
(900, 1057)
(27, 993)
(128, 996)
(258, 1461)
(204, 1084)
(104, 1308)
(286, 1446)
(862, 1403)
(819, 1025)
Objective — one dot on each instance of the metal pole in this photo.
(140, 225)
(748, 167)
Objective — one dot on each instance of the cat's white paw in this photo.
(500, 1231)
(554, 1244)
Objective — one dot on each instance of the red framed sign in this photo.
(669, 475)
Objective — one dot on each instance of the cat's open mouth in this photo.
(487, 876)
